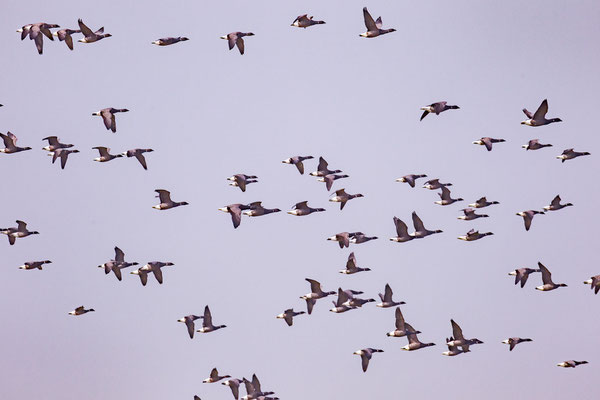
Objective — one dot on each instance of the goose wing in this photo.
(456, 331)
(351, 263)
(400, 324)
(315, 286)
(119, 255)
(87, 32)
(546, 275)
(401, 228)
(163, 195)
(369, 22)
(207, 320)
(540, 113)
(418, 224)
(140, 157)
(388, 293)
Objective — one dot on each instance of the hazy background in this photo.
(209, 113)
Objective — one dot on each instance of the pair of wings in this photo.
(370, 23)
(540, 113)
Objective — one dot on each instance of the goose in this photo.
(386, 298)
(437, 108)
(342, 197)
(117, 264)
(458, 338)
(413, 341)
(569, 154)
(401, 232)
(63, 154)
(207, 325)
(288, 316)
(474, 235)
(400, 330)
(65, 35)
(539, 117)
(547, 280)
(10, 144)
(570, 363)
(555, 204)
(366, 354)
(188, 320)
(253, 389)
(139, 155)
(453, 350)
(302, 208)
(445, 197)
(54, 144)
(434, 184)
(36, 33)
(359, 237)
(470, 215)
(356, 301)
(105, 154)
(341, 304)
(236, 212)
(169, 40)
(249, 181)
(166, 203)
(534, 144)
(19, 232)
(323, 170)
(513, 341)
(234, 385)
(34, 264)
(420, 230)
(215, 377)
(24, 31)
(304, 21)
(594, 283)
(328, 179)
(315, 293)
(256, 210)
(80, 310)
(521, 274)
(410, 179)
(89, 36)
(343, 239)
(297, 161)
(155, 267)
(351, 267)
(143, 274)
(108, 116)
(482, 202)
(235, 39)
(487, 142)
(528, 217)
(373, 27)
(240, 180)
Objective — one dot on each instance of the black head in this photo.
(556, 120)
(183, 39)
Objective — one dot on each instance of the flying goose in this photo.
(410, 179)
(188, 320)
(569, 154)
(474, 235)
(355, 301)
(155, 267)
(528, 217)
(256, 210)
(458, 338)
(139, 155)
(534, 144)
(240, 180)
(304, 21)
(351, 267)
(437, 108)
(254, 391)
(343, 239)
(63, 154)
(341, 304)
(328, 179)
(302, 208)
(521, 274)
(65, 34)
(36, 33)
(547, 280)
(34, 264)
(89, 36)
(400, 330)
(117, 264)
(482, 202)
(413, 341)
(594, 283)
(359, 237)
(143, 274)
(234, 385)
(539, 118)
(207, 325)
(108, 116)
(19, 232)
(236, 212)
(453, 350)
(366, 354)
(570, 363)
(420, 230)
(315, 293)
(555, 204)
(342, 197)
(386, 298)
(470, 215)
(235, 39)
(434, 184)
(401, 232)
(169, 40)
(54, 144)
(166, 203)
(10, 144)
(105, 154)
(513, 341)
(323, 170)
(80, 310)
(373, 27)
(445, 197)
(487, 142)
(288, 316)
(215, 377)
(297, 161)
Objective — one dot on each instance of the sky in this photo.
(209, 113)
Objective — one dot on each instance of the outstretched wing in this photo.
(540, 113)
(369, 23)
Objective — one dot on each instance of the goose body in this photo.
(234, 385)
(445, 197)
(488, 142)
(298, 162)
(420, 230)
(351, 267)
(534, 144)
(482, 202)
(105, 154)
(555, 204)
(329, 179)
(373, 27)
(80, 311)
(10, 144)
(402, 234)
(323, 169)
(436, 108)
(235, 39)
(539, 117)
(547, 280)
(207, 325)
(410, 179)
(288, 316)
(452, 349)
(165, 200)
(65, 35)
(155, 268)
(36, 32)
(400, 330)
(513, 341)
(304, 21)
(413, 341)
(359, 237)
(386, 298)
(343, 239)
(569, 154)
(521, 274)
(117, 264)
(594, 283)
(434, 184)
(528, 217)
(20, 231)
(470, 215)
(139, 155)
(342, 197)
(570, 363)
(365, 356)
(240, 180)
(215, 377)
(55, 144)
(459, 340)
(89, 36)
(302, 208)
(474, 235)
(169, 40)
(188, 320)
(108, 117)
(315, 293)
(235, 210)
(34, 265)
(256, 210)
(342, 303)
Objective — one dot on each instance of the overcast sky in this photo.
(209, 113)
